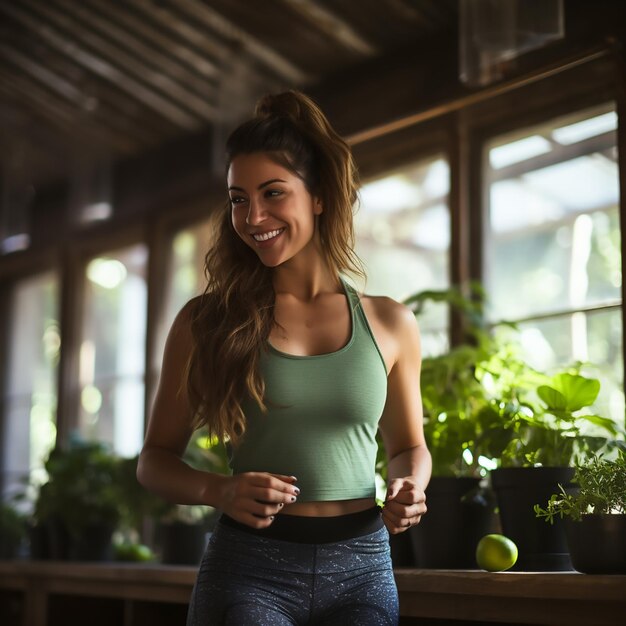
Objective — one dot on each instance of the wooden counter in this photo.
(555, 599)
(40, 593)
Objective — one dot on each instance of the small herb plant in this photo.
(601, 489)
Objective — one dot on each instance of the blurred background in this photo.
(488, 144)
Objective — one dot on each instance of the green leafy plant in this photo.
(452, 396)
(601, 489)
(12, 529)
(536, 419)
(82, 488)
(135, 503)
(485, 407)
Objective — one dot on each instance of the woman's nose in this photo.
(256, 213)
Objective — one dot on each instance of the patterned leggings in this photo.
(247, 580)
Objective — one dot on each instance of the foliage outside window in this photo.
(403, 238)
(112, 352)
(553, 244)
(32, 357)
(185, 278)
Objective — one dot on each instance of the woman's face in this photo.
(272, 211)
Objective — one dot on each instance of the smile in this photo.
(267, 236)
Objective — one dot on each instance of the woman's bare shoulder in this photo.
(181, 333)
(390, 313)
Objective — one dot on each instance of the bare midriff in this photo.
(328, 508)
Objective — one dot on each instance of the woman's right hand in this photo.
(254, 498)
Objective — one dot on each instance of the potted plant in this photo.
(138, 509)
(485, 409)
(12, 531)
(460, 508)
(594, 513)
(77, 508)
(534, 426)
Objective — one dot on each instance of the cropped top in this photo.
(322, 417)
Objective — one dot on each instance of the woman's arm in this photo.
(252, 498)
(401, 426)
(161, 468)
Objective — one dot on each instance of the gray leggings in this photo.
(247, 580)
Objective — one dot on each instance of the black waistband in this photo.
(303, 529)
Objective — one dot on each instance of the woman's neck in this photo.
(305, 278)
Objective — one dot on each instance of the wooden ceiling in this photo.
(112, 79)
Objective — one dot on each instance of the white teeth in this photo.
(266, 236)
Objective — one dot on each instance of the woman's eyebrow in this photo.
(261, 186)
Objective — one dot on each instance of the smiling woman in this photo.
(272, 210)
(285, 361)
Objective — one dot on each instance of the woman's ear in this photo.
(318, 209)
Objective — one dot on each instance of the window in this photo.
(553, 244)
(112, 352)
(31, 386)
(403, 238)
(185, 278)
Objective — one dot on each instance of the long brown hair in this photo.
(232, 320)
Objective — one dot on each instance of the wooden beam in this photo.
(83, 109)
(333, 27)
(44, 76)
(178, 48)
(104, 103)
(470, 99)
(128, 64)
(44, 105)
(122, 44)
(64, 45)
(243, 41)
(617, 52)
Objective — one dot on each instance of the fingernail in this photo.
(294, 478)
(272, 517)
(280, 505)
(296, 491)
(293, 498)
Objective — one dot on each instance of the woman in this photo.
(281, 358)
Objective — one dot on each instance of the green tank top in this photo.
(322, 418)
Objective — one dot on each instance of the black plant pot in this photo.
(597, 543)
(92, 544)
(401, 547)
(58, 541)
(458, 515)
(38, 541)
(9, 548)
(182, 544)
(542, 546)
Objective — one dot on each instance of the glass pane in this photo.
(185, 279)
(185, 276)
(553, 244)
(552, 217)
(31, 385)
(403, 238)
(112, 356)
(595, 338)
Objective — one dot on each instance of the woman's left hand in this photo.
(405, 503)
